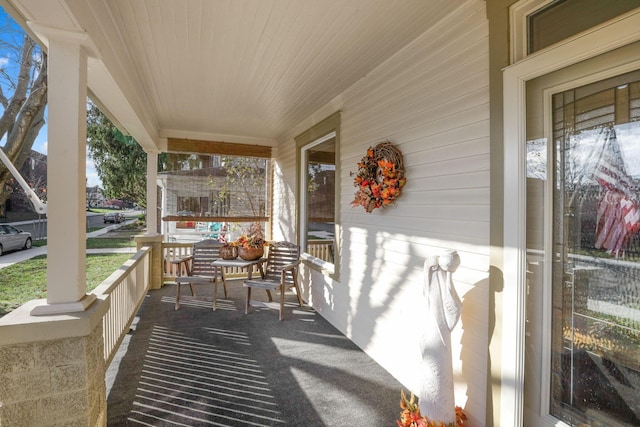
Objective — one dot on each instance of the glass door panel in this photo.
(583, 239)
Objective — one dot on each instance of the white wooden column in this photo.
(152, 193)
(66, 174)
(163, 207)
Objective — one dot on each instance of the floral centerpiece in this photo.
(251, 243)
(379, 178)
(411, 417)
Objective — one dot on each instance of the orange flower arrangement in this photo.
(250, 241)
(253, 238)
(379, 178)
(411, 417)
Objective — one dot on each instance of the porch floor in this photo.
(198, 367)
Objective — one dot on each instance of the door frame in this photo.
(598, 40)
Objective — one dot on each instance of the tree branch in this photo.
(19, 96)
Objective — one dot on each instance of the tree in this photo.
(245, 179)
(120, 161)
(23, 96)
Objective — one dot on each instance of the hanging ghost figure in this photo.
(443, 306)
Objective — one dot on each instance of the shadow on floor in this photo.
(197, 367)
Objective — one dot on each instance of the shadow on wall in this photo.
(367, 293)
(475, 337)
(496, 286)
(360, 322)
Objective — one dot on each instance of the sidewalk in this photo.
(17, 256)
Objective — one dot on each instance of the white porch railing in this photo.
(322, 249)
(172, 251)
(125, 289)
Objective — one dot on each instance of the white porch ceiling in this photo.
(234, 70)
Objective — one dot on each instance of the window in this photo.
(537, 24)
(597, 54)
(554, 22)
(319, 183)
(583, 247)
(596, 291)
(318, 193)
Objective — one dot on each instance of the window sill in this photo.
(326, 268)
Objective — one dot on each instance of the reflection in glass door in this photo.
(589, 240)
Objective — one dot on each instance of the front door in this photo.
(582, 359)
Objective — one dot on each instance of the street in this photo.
(38, 228)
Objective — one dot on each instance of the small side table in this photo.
(240, 263)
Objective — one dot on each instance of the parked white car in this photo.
(13, 239)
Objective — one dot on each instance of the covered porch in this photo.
(445, 81)
(176, 76)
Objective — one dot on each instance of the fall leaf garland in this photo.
(379, 178)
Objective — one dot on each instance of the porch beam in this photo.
(179, 218)
(181, 145)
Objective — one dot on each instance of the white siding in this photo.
(432, 100)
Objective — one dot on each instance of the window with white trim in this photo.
(318, 194)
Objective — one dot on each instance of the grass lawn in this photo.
(104, 210)
(27, 280)
(100, 242)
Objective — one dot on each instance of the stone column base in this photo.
(52, 369)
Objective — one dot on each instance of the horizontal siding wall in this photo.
(432, 100)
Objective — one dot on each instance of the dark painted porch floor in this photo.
(197, 367)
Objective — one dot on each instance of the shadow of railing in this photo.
(196, 366)
(205, 383)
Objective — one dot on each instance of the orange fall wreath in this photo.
(379, 178)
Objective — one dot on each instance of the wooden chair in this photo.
(200, 269)
(281, 273)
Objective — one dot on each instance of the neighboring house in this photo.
(210, 187)
(549, 331)
(207, 191)
(95, 198)
(114, 204)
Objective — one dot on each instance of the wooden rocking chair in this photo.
(201, 270)
(281, 273)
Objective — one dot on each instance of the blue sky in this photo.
(7, 63)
